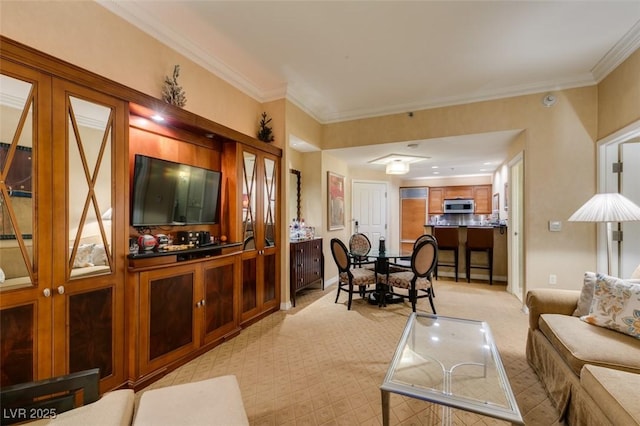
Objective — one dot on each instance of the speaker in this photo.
(182, 237)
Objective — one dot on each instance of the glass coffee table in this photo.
(452, 362)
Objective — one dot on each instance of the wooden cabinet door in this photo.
(25, 224)
(482, 198)
(452, 192)
(88, 263)
(168, 298)
(219, 305)
(413, 217)
(259, 214)
(436, 200)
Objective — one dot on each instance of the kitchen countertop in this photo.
(466, 226)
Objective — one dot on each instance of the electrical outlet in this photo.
(553, 279)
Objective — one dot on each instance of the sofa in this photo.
(589, 368)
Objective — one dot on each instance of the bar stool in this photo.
(447, 238)
(479, 239)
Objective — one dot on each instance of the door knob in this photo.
(61, 289)
(46, 292)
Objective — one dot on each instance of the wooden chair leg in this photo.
(433, 308)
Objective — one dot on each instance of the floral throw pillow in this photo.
(616, 305)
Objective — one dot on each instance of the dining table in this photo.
(384, 260)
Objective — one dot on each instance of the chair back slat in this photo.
(424, 258)
(359, 244)
(340, 255)
(480, 238)
(447, 237)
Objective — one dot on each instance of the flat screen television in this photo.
(168, 193)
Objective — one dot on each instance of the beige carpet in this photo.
(319, 364)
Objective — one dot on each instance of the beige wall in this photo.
(619, 97)
(89, 36)
(559, 142)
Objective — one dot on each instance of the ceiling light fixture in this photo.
(397, 167)
(157, 118)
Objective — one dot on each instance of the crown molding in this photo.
(141, 19)
(618, 53)
(138, 17)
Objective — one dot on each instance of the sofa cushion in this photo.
(580, 343)
(616, 305)
(616, 390)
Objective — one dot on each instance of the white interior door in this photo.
(369, 209)
(629, 178)
(516, 227)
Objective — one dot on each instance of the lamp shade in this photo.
(397, 168)
(612, 207)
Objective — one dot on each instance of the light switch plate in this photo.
(555, 226)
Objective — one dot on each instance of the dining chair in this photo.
(348, 277)
(406, 262)
(423, 263)
(359, 247)
(447, 237)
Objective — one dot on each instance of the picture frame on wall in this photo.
(335, 201)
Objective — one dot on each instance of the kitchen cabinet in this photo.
(256, 208)
(452, 192)
(62, 304)
(306, 265)
(482, 197)
(413, 215)
(481, 194)
(436, 200)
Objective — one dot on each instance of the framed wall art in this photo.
(335, 201)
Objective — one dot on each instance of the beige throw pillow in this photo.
(636, 274)
(586, 295)
(616, 305)
(83, 256)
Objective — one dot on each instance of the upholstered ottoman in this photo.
(112, 409)
(214, 401)
(615, 391)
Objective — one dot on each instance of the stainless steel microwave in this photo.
(459, 206)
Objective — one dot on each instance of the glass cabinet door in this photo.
(17, 209)
(89, 146)
(249, 176)
(270, 194)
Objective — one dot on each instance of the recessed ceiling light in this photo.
(157, 118)
(434, 167)
(436, 173)
(488, 163)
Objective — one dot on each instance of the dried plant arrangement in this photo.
(172, 92)
(265, 133)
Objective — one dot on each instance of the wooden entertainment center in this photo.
(134, 316)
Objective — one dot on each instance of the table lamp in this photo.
(608, 208)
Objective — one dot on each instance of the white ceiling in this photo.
(342, 60)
